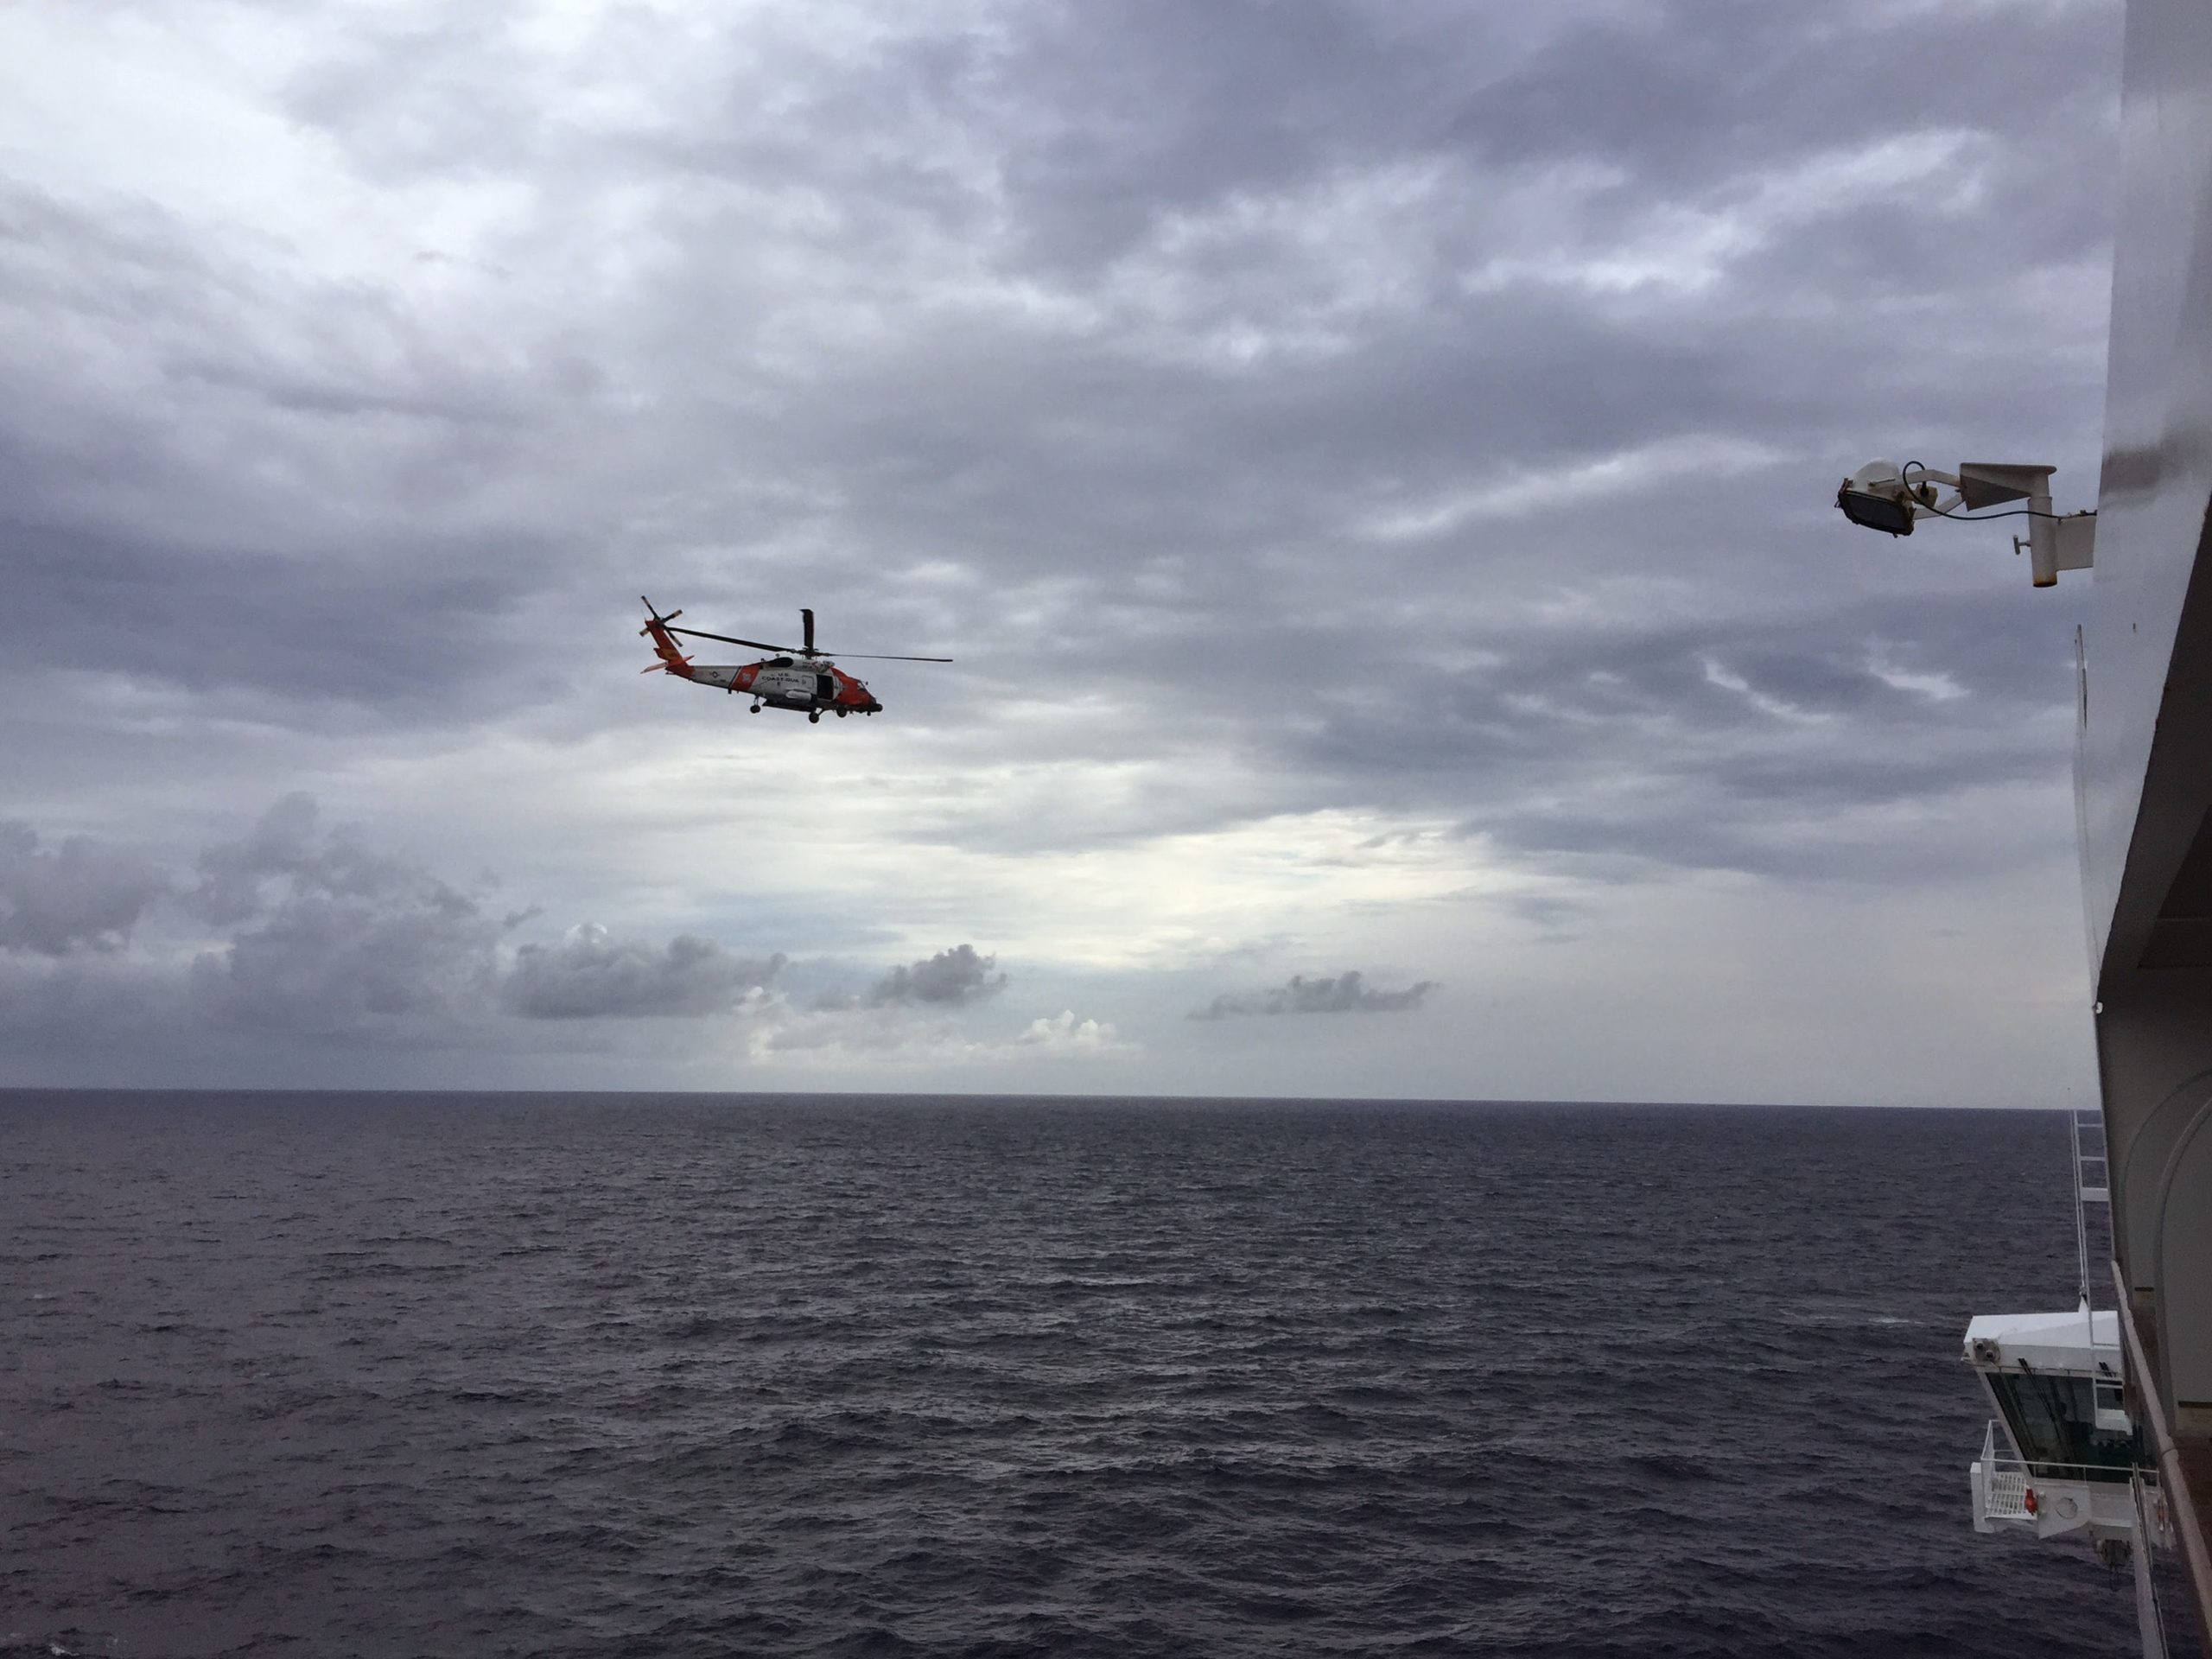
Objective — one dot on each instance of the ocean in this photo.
(643, 1375)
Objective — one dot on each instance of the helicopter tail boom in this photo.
(672, 661)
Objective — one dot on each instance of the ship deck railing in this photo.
(2006, 1479)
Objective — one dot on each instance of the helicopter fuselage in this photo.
(811, 688)
(797, 677)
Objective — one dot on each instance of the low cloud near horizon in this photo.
(1344, 993)
(301, 935)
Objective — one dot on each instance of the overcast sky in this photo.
(1373, 464)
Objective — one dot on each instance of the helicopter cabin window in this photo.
(825, 687)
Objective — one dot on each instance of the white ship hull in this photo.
(2143, 785)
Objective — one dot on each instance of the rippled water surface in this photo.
(567, 1375)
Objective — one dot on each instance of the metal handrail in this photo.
(2001, 1494)
(2179, 1505)
(2111, 1473)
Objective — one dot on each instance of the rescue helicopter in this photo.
(797, 677)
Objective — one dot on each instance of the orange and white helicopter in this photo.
(797, 677)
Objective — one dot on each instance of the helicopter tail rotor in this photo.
(672, 661)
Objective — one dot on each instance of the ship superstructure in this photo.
(2143, 789)
(2062, 1456)
(2059, 1457)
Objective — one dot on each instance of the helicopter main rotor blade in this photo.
(806, 623)
(873, 656)
(731, 639)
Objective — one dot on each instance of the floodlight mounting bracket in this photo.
(1989, 484)
(2053, 542)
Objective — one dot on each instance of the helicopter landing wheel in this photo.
(754, 709)
(841, 713)
(814, 716)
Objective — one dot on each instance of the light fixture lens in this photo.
(1883, 512)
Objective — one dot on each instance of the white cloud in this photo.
(921, 1047)
(1673, 474)
(1063, 1033)
(1778, 707)
(1684, 248)
(1936, 687)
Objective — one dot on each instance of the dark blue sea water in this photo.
(575, 1376)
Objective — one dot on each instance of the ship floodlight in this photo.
(1879, 502)
(1876, 512)
(1883, 496)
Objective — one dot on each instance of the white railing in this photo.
(2001, 1489)
(2047, 1499)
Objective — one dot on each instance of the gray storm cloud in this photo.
(79, 895)
(948, 979)
(1344, 993)
(591, 976)
(322, 937)
(330, 937)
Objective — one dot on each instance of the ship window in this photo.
(2054, 1419)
